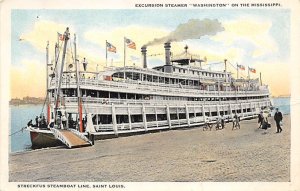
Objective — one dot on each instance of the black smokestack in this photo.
(168, 67)
(193, 29)
(168, 52)
(144, 55)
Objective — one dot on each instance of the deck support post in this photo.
(187, 114)
(218, 111)
(129, 117)
(242, 113)
(195, 116)
(168, 116)
(178, 119)
(230, 111)
(97, 123)
(156, 116)
(114, 118)
(251, 109)
(144, 117)
(203, 113)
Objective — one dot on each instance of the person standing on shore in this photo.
(222, 121)
(207, 124)
(278, 119)
(260, 119)
(236, 121)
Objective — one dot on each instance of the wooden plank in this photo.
(72, 139)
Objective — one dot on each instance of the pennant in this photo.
(252, 70)
(241, 67)
(130, 43)
(110, 47)
(60, 36)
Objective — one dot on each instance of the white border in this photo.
(5, 46)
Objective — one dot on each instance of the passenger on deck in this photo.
(70, 121)
(51, 125)
(77, 124)
(40, 121)
(36, 121)
(58, 122)
(43, 122)
(30, 123)
(85, 121)
(64, 122)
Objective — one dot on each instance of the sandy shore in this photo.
(177, 155)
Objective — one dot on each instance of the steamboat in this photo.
(84, 106)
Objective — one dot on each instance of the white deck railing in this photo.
(105, 101)
(174, 89)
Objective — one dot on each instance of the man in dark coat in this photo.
(278, 119)
(260, 119)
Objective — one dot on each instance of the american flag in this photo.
(241, 67)
(60, 36)
(252, 70)
(110, 47)
(130, 43)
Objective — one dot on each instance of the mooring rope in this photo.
(18, 131)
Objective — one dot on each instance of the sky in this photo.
(259, 39)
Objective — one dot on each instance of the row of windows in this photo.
(118, 95)
(209, 74)
(107, 119)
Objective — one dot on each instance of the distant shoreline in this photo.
(282, 96)
(25, 104)
(27, 101)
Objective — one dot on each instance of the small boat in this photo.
(42, 138)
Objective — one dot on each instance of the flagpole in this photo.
(237, 71)
(106, 53)
(124, 56)
(248, 72)
(260, 78)
(58, 40)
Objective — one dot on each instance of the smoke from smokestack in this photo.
(193, 29)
